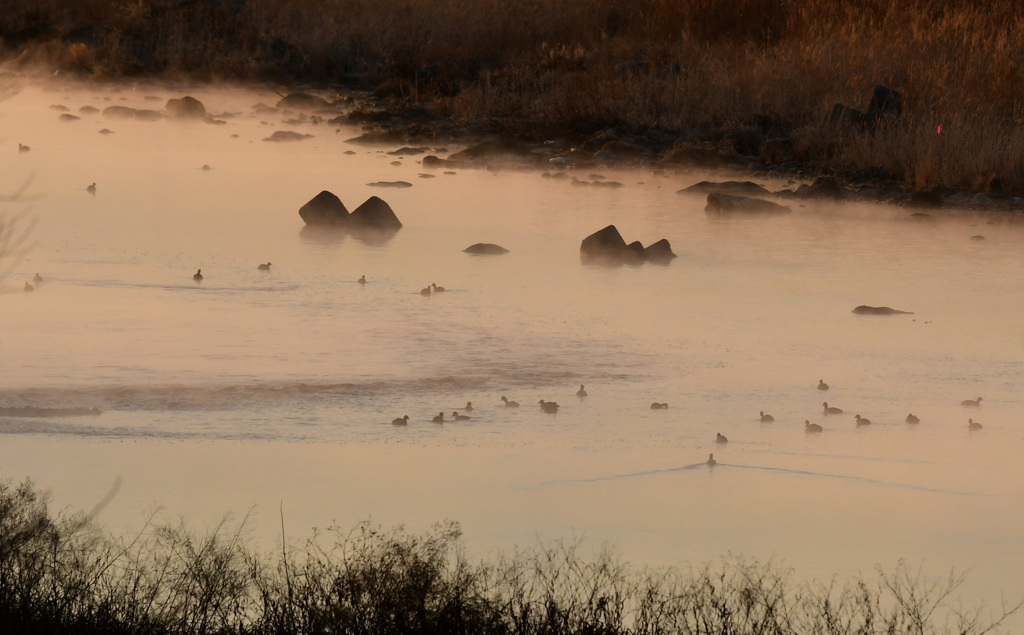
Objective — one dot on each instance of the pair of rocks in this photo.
(608, 245)
(326, 210)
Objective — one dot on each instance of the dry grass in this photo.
(62, 573)
(729, 75)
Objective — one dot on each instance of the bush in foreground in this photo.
(63, 574)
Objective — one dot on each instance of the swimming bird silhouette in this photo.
(766, 418)
(439, 418)
(469, 406)
(912, 418)
(811, 427)
(361, 280)
(549, 407)
(23, 148)
(822, 385)
(971, 402)
(91, 189)
(265, 267)
(711, 462)
(581, 393)
(401, 421)
(659, 406)
(436, 288)
(29, 287)
(973, 425)
(37, 278)
(831, 410)
(861, 421)
(457, 417)
(199, 275)
(425, 291)
(721, 438)
(509, 404)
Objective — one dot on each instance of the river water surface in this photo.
(261, 392)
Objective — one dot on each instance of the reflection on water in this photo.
(263, 387)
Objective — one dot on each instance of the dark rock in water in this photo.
(375, 213)
(185, 108)
(287, 135)
(823, 187)
(731, 204)
(485, 249)
(69, 117)
(88, 110)
(119, 112)
(303, 101)
(660, 251)
(931, 197)
(878, 310)
(324, 209)
(742, 188)
(636, 249)
(406, 151)
(431, 161)
(390, 184)
(606, 243)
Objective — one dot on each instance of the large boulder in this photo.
(324, 209)
(606, 243)
(185, 108)
(303, 101)
(375, 213)
(731, 204)
(660, 251)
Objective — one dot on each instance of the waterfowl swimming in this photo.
(37, 279)
(822, 385)
(766, 418)
(469, 406)
(912, 418)
(436, 288)
(361, 280)
(509, 404)
(811, 427)
(91, 189)
(659, 406)
(29, 287)
(711, 462)
(581, 393)
(457, 417)
(549, 407)
(973, 425)
(265, 267)
(861, 421)
(439, 418)
(401, 421)
(23, 148)
(971, 402)
(425, 291)
(831, 410)
(199, 275)
(721, 438)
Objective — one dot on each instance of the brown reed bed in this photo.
(62, 573)
(693, 81)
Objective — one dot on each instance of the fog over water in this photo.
(254, 390)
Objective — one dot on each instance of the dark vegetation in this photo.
(61, 573)
(700, 82)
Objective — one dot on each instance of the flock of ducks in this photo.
(859, 421)
(265, 266)
(549, 407)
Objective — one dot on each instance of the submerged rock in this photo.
(303, 101)
(185, 108)
(729, 204)
(742, 188)
(324, 209)
(485, 249)
(878, 310)
(660, 251)
(287, 135)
